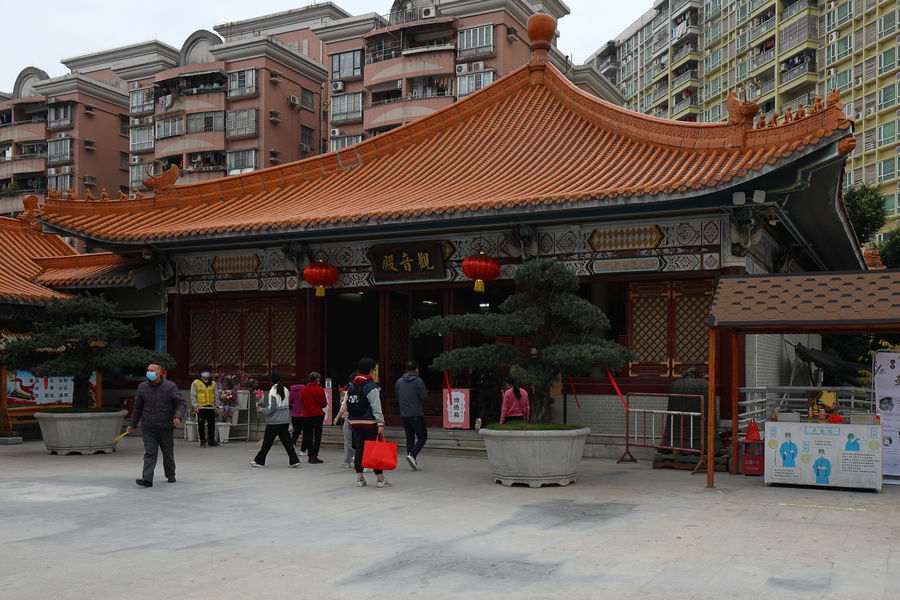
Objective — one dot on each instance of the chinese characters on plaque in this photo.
(400, 263)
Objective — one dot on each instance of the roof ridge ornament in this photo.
(164, 182)
(541, 30)
(742, 111)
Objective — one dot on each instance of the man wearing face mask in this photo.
(161, 407)
(204, 399)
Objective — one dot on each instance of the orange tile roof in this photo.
(21, 244)
(101, 268)
(529, 140)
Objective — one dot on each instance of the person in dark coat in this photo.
(159, 407)
(411, 393)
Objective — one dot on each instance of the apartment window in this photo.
(169, 127)
(59, 150)
(346, 64)
(343, 142)
(844, 12)
(475, 41)
(886, 170)
(713, 114)
(887, 60)
(241, 83)
(713, 7)
(136, 175)
(830, 53)
(141, 138)
(887, 25)
(206, 121)
(59, 114)
(242, 161)
(59, 182)
(890, 203)
(124, 124)
(887, 134)
(844, 46)
(239, 123)
(713, 87)
(472, 83)
(142, 101)
(887, 97)
(848, 179)
(743, 12)
(842, 81)
(307, 136)
(307, 99)
(742, 42)
(712, 61)
(713, 33)
(628, 68)
(742, 70)
(346, 107)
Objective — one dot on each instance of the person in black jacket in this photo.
(159, 407)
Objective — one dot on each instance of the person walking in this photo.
(345, 427)
(159, 407)
(411, 393)
(296, 402)
(366, 418)
(278, 416)
(204, 399)
(314, 401)
(515, 403)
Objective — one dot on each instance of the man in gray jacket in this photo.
(411, 393)
(159, 407)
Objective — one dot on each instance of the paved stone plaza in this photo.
(77, 527)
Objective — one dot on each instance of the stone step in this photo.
(451, 442)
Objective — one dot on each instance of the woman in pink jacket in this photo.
(515, 403)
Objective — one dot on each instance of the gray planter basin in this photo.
(80, 433)
(535, 457)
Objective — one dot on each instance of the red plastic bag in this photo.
(753, 432)
(379, 454)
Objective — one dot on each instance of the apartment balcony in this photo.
(796, 8)
(762, 28)
(397, 111)
(684, 4)
(807, 99)
(660, 19)
(22, 163)
(382, 72)
(761, 59)
(62, 123)
(608, 65)
(755, 4)
(689, 51)
(798, 77)
(684, 107)
(691, 78)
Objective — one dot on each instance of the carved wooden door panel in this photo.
(692, 299)
(284, 336)
(229, 335)
(394, 351)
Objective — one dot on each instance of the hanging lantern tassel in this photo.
(320, 274)
(481, 268)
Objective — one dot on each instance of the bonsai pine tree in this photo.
(557, 323)
(78, 338)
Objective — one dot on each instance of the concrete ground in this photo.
(77, 527)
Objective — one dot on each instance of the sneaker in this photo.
(360, 483)
(477, 423)
(344, 465)
(143, 483)
(214, 443)
(303, 453)
(203, 444)
(171, 480)
(413, 464)
(384, 483)
(295, 465)
(256, 464)
(315, 460)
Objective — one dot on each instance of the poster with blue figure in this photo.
(822, 468)
(788, 451)
(852, 444)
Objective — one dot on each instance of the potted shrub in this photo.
(80, 338)
(558, 325)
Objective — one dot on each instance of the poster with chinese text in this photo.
(886, 382)
(456, 409)
(26, 392)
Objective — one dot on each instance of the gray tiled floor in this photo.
(77, 527)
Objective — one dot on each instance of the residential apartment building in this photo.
(683, 58)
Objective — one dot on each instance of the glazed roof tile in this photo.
(531, 139)
(21, 245)
(835, 300)
(97, 269)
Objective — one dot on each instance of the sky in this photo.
(65, 29)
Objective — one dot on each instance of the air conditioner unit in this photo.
(305, 148)
(857, 81)
(478, 66)
(135, 160)
(460, 69)
(148, 119)
(857, 116)
(830, 72)
(335, 132)
(51, 100)
(135, 121)
(51, 171)
(293, 100)
(135, 85)
(870, 111)
(832, 37)
(830, 5)
(195, 157)
(61, 136)
(337, 86)
(90, 180)
(66, 170)
(429, 12)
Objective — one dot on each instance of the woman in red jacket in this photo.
(314, 402)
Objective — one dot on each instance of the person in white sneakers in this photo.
(366, 417)
(411, 393)
(345, 428)
(278, 415)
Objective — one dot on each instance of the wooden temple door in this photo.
(393, 349)
(667, 326)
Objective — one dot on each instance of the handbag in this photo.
(379, 455)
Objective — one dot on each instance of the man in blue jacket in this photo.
(161, 407)
(411, 393)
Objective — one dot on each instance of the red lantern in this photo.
(481, 268)
(320, 274)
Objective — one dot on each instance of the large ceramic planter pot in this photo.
(80, 433)
(535, 457)
(223, 432)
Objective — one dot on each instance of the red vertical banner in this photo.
(456, 409)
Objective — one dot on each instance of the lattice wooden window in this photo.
(667, 326)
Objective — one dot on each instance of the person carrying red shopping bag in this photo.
(366, 418)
